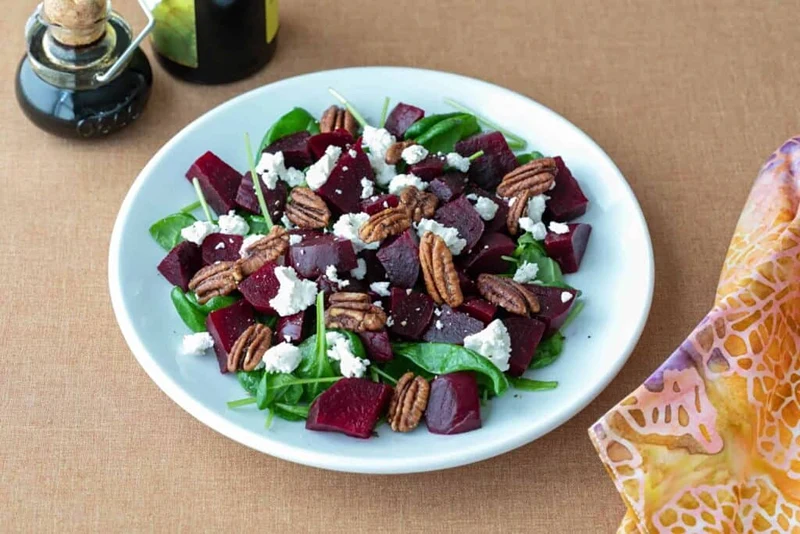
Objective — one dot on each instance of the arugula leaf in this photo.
(167, 231)
(295, 121)
(522, 159)
(443, 358)
(548, 351)
(315, 363)
(188, 312)
(526, 384)
(249, 380)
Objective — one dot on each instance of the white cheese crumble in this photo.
(457, 161)
(294, 295)
(439, 325)
(293, 177)
(558, 228)
(437, 312)
(352, 153)
(389, 321)
(247, 244)
(566, 296)
(493, 343)
(272, 167)
(196, 344)
(486, 208)
(233, 224)
(318, 173)
(198, 231)
(295, 239)
(380, 288)
(378, 140)
(282, 358)
(449, 234)
(511, 201)
(341, 349)
(333, 276)
(367, 188)
(401, 181)
(414, 154)
(286, 223)
(220, 245)
(378, 304)
(526, 272)
(360, 271)
(383, 171)
(536, 207)
(347, 228)
(537, 229)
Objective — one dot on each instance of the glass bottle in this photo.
(84, 75)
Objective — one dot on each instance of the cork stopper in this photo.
(76, 22)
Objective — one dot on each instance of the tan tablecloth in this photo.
(688, 97)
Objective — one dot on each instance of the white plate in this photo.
(616, 275)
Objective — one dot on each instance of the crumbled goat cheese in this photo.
(409, 291)
(383, 171)
(318, 173)
(558, 228)
(450, 235)
(378, 304)
(233, 224)
(389, 321)
(294, 239)
(198, 231)
(473, 197)
(511, 201)
(526, 272)
(378, 140)
(537, 229)
(360, 271)
(457, 161)
(272, 167)
(493, 343)
(414, 154)
(536, 207)
(380, 288)
(286, 223)
(347, 228)
(333, 276)
(367, 188)
(282, 358)
(566, 296)
(437, 312)
(401, 181)
(220, 245)
(196, 344)
(486, 208)
(345, 168)
(293, 177)
(439, 325)
(294, 295)
(341, 349)
(247, 244)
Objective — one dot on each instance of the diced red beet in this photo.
(342, 190)
(317, 144)
(351, 406)
(461, 215)
(401, 117)
(453, 327)
(274, 198)
(400, 259)
(525, 334)
(377, 345)
(497, 160)
(568, 249)
(291, 328)
(486, 256)
(218, 180)
(498, 223)
(221, 247)
(553, 310)
(225, 326)
(375, 270)
(181, 264)
(429, 168)
(468, 285)
(483, 310)
(295, 150)
(453, 404)
(380, 203)
(411, 313)
(261, 287)
(567, 200)
(448, 186)
(312, 255)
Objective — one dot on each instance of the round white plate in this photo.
(616, 276)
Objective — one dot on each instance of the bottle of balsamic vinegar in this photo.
(215, 41)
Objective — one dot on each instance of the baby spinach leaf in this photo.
(548, 351)
(249, 380)
(522, 159)
(295, 121)
(291, 412)
(188, 312)
(257, 224)
(425, 123)
(532, 251)
(214, 304)
(526, 384)
(277, 387)
(577, 308)
(443, 136)
(443, 358)
(314, 350)
(355, 341)
(167, 231)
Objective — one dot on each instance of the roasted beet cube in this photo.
(483, 310)
(274, 198)
(554, 304)
(498, 223)
(567, 200)
(486, 256)
(295, 150)
(261, 287)
(525, 334)
(411, 313)
(448, 186)
(292, 328)
(375, 270)
(400, 259)
(312, 255)
(181, 264)
(317, 144)
(380, 203)
(342, 190)
(401, 117)
(461, 215)
(351, 406)
(468, 285)
(218, 180)
(429, 168)
(453, 404)
(497, 160)
(451, 327)
(378, 345)
(568, 249)
(221, 247)
(225, 326)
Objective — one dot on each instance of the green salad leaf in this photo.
(167, 231)
(290, 412)
(425, 123)
(249, 380)
(277, 387)
(213, 304)
(548, 351)
(314, 350)
(297, 120)
(522, 159)
(526, 384)
(443, 136)
(187, 311)
(532, 251)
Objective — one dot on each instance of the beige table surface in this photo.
(688, 97)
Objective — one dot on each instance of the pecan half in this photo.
(214, 280)
(441, 278)
(535, 176)
(249, 349)
(307, 209)
(269, 248)
(336, 118)
(408, 402)
(419, 204)
(391, 221)
(354, 312)
(516, 211)
(508, 294)
(395, 151)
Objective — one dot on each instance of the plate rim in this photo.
(316, 458)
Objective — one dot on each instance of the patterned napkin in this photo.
(711, 441)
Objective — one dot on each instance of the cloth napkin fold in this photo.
(711, 441)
